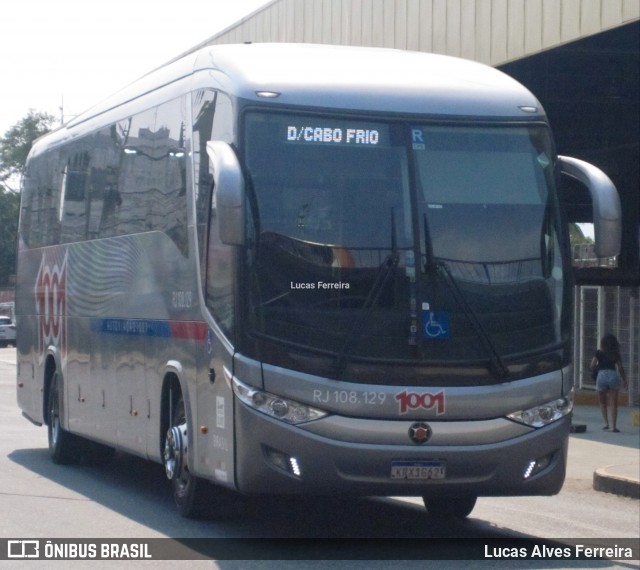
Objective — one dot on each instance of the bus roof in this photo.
(347, 78)
(369, 79)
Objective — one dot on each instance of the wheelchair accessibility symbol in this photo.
(435, 324)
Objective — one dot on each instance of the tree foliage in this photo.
(14, 148)
(576, 235)
(9, 208)
(16, 144)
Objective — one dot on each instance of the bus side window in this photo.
(74, 189)
(168, 208)
(136, 175)
(213, 120)
(45, 222)
(203, 105)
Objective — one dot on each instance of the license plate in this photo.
(418, 470)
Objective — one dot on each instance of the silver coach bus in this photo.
(307, 269)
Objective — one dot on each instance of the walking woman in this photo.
(610, 372)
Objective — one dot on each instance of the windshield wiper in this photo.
(385, 271)
(436, 266)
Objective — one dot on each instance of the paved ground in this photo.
(613, 458)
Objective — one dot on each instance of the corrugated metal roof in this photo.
(489, 31)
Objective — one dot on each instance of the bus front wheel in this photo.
(450, 507)
(187, 488)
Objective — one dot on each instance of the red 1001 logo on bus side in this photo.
(51, 304)
(426, 401)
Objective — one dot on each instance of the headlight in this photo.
(543, 415)
(283, 409)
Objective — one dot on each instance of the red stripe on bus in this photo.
(188, 330)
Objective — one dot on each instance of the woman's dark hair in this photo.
(611, 347)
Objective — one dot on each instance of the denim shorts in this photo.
(607, 380)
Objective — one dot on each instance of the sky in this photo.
(74, 53)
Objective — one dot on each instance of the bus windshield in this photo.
(401, 243)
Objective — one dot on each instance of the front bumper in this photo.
(328, 466)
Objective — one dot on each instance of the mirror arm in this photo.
(607, 213)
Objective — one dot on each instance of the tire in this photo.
(64, 447)
(450, 507)
(190, 493)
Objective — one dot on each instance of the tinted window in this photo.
(41, 205)
(217, 257)
(203, 103)
(126, 178)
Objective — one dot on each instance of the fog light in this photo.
(283, 461)
(295, 467)
(278, 459)
(534, 467)
(529, 469)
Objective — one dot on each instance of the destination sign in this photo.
(363, 135)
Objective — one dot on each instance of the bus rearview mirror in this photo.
(607, 213)
(228, 192)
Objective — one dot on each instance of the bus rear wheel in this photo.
(450, 507)
(64, 447)
(188, 490)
